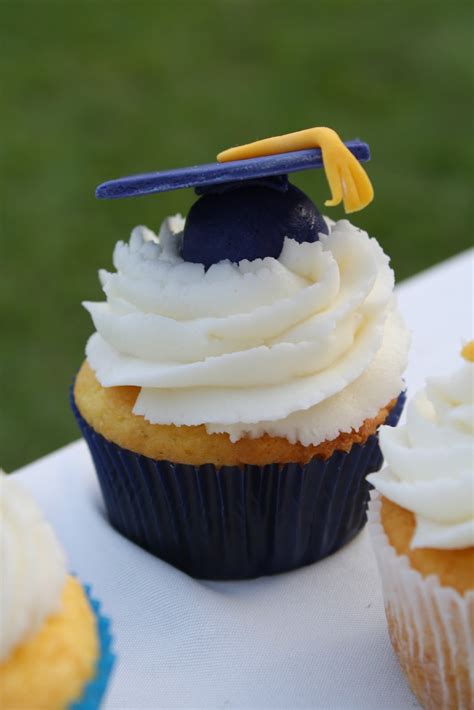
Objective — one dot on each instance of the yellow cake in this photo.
(423, 533)
(454, 568)
(49, 645)
(109, 411)
(50, 669)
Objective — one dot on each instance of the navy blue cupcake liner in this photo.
(94, 691)
(236, 522)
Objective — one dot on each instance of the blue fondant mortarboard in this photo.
(247, 206)
(199, 176)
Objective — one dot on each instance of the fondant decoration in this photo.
(247, 206)
(199, 176)
(468, 351)
(248, 222)
(347, 179)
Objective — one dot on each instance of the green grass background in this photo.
(97, 89)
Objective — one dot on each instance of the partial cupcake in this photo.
(422, 528)
(231, 405)
(55, 647)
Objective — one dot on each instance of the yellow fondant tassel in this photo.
(468, 351)
(347, 178)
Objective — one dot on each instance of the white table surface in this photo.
(313, 638)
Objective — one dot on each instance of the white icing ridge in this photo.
(430, 462)
(32, 567)
(254, 347)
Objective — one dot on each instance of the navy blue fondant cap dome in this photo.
(246, 205)
(248, 222)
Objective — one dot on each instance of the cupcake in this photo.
(54, 645)
(242, 363)
(422, 529)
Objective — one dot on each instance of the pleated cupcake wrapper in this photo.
(236, 522)
(431, 627)
(94, 691)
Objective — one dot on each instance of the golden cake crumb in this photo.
(50, 670)
(108, 410)
(455, 568)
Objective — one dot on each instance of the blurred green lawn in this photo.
(94, 90)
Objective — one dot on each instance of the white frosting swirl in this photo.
(252, 347)
(430, 459)
(32, 567)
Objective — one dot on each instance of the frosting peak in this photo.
(430, 462)
(32, 567)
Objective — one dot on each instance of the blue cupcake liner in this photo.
(94, 691)
(236, 522)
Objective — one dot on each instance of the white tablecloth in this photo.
(313, 638)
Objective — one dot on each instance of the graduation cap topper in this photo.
(247, 205)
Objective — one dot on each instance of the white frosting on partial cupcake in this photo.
(431, 462)
(304, 346)
(32, 567)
